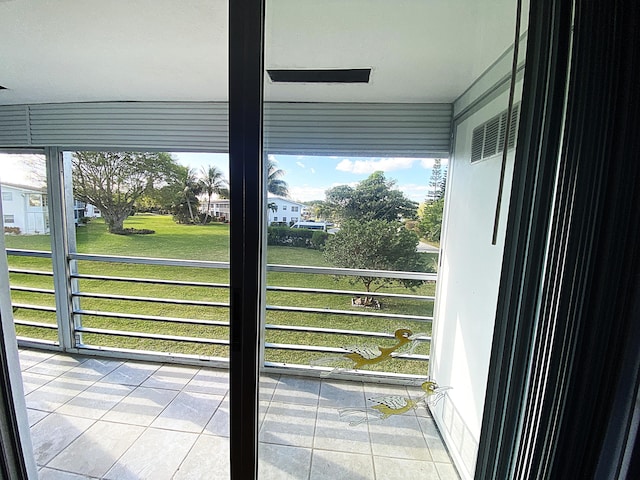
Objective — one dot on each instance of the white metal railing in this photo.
(80, 330)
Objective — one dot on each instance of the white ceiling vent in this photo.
(488, 138)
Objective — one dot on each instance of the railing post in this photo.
(63, 242)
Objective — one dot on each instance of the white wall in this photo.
(468, 283)
(14, 206)
(29, 219)
(284, 210)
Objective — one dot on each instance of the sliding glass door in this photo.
(368, 112)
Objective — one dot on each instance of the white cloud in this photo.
(415, 192)
(373, 165)
(349, 184)
(344, 166)
(271, 157)
(313, 170)
(305, 193)
(300, 164)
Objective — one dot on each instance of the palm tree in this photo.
(191, 188)
(275, 184)
(212, 181)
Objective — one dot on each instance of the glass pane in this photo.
(145, 392)
(362, 102)
(25, 215)
(161, 209)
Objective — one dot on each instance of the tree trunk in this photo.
(115, 221)
(206, 217)
(190, 211)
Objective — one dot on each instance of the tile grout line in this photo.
(315, 427)
(423, 422)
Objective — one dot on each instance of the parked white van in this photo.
(312, 225)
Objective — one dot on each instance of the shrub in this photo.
(12, 230)
(134, 231)
(318, 239)
(295, 237)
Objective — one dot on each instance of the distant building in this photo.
(25, 208)
(91, 210)
(283, 210)
(220, 209)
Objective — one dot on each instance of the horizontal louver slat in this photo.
(297, 128)
(488, 138)
(14, 126)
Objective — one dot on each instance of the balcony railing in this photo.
(155, 307)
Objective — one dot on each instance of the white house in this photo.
(91, 211)
(282, 209)
(24, 208)
(219, 208)
(81, 210)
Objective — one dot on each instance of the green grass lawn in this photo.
(205, 242)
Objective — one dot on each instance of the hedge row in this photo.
(296, 237)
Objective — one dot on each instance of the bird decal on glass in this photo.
(388, 405)
(363, 355)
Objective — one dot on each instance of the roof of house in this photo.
(272, 197)
(30, 188)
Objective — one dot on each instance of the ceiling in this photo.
(176, 50)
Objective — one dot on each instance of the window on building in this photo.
(294, 219)
(284, 219)
(294, 209)
(275, 219)
(35, 200)
(7, 196)
(284, 207)
(9, 219)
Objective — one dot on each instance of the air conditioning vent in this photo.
(491, 132)
(476, 144)
(488, 138)
(334, 75)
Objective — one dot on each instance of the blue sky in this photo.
(308, 176)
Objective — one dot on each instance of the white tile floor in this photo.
(111, 419)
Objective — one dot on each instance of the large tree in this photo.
(436, 181)
(431, 212)
(430, 224)
(374, 198)
(275, 184)
(375, 245)
(114, 181)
